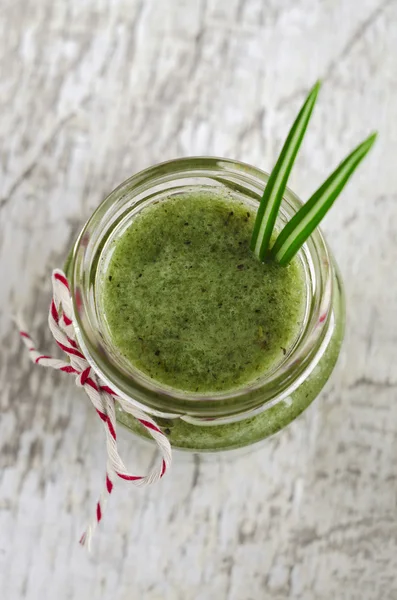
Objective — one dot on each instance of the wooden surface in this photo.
(90, 93)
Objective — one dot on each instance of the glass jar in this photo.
(222, 420)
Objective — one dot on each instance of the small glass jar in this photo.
(223, 420)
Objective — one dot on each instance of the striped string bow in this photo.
(60, 321)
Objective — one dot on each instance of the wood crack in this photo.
(35, 162)
(356, 36)
(350, 44)
(368, 382)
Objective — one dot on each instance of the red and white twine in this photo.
(101, 395)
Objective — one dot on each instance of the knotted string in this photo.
(60, 321)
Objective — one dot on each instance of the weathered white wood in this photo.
(93, 91)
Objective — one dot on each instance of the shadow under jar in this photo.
(205, 420)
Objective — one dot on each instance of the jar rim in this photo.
(150, 394)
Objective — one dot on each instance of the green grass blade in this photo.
(274, 191)
(301, 226)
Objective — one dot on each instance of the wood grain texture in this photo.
(90, 93)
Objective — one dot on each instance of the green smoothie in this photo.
(188, 304)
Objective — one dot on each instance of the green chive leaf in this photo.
(303, 223)
(274, 191)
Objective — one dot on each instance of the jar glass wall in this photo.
(222, 420)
